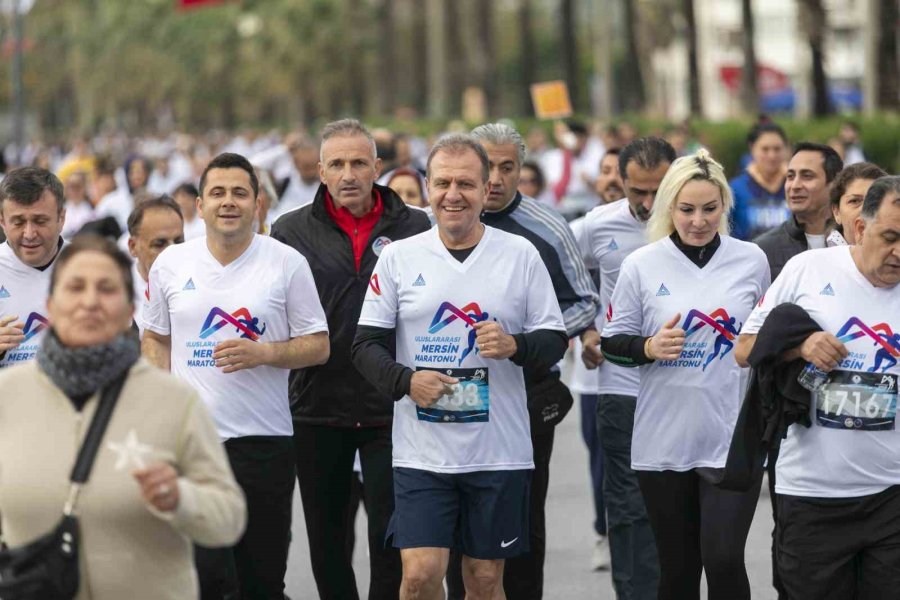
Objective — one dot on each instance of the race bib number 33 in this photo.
(470, 401)
(858, 401)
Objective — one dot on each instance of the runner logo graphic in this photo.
(34, 324)
(694, 352)
(246, 324)
(881, 334)
(373, 283)
(470, 314)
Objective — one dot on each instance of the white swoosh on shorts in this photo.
(509, 543)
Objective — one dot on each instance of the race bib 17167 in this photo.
(470, 401)
(857, 401)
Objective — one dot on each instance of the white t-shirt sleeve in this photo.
(156, 309)
(782, 290)
(541, 305)
(583, 235)
(625, 313)
(381, 303)
(305, 313)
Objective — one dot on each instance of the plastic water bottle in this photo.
(812, 378)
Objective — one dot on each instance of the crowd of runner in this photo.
(381, 319)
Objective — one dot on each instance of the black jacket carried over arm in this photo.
(775, 400)
(335, 393)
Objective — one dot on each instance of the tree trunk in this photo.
(888, 67)
(813, 21)
(355, 77)
(487, 48)
(568, 37)
(419, 57)
(387, 73)
(632, 84)
(693, 70)
(529, 56)
(749, 87)
(455, 54)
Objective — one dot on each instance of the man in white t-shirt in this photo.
(231, 314)
(611, 232)
(153, 226)
(32, 213)
(838, 480)
(469, 305)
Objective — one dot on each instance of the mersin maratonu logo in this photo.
(245, 323)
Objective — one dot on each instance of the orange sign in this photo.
(551, 100)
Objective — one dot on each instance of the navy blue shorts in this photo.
(483, 514)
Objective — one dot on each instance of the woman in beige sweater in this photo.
(160, 480)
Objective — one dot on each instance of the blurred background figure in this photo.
(409, 185)
(609, 183)
(79, 209)
(759, 203)
(186, 197)
(849, 139)
(533, 184)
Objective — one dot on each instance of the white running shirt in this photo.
(687, 408)
(611, 233)
(267, 294)
(828, 462)
(23, 292)
(430, 298)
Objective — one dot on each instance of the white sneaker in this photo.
(600, 556)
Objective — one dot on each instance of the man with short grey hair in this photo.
(471, 308)
(337, 412)
(548, 398)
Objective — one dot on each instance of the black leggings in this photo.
(698, 526)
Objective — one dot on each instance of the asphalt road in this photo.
(570, 534)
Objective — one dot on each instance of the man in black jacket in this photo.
(810, 172)
(336, 411)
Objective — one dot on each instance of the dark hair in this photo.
(137, 158)
(881, 188)
(759, 129)
(612, 151)
(539, 180)
(103, 165)
(92, 242)
(577, 127)
(26, 185)
(160, 202)
(186, 188)
(863, 170)
(831, 160)
(230, 160)
(648, 152)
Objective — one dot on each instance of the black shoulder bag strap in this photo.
(92, 440)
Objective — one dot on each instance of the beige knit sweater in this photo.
(128, 550)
